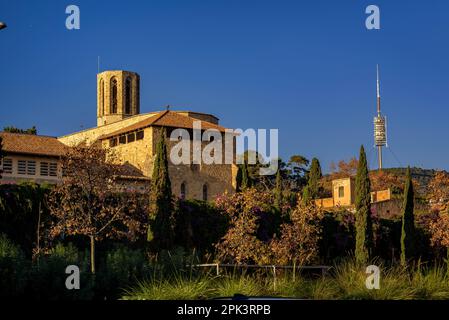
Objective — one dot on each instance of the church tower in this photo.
(117, 96)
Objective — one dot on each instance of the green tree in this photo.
(278, 190)
(161, 201)
(246, 179)
(312, 189)
(408, 233)
(238, 179)
(363, 222)
(12, 129)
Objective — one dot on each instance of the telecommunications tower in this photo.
(380, 126)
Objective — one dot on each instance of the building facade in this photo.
(343, 195)
(132, 137)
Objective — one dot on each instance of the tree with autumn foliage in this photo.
(88, 201)
(298, 243)
(344, 168)
(242, 243)
(439, 191)
(439, 200)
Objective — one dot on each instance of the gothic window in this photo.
(128, 96)
(204, 192)
(101, 97)
(114, 95)
(183, 190)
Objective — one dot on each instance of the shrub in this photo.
(47, 278)
(13, 269)
(122, 267)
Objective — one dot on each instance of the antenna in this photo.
(380, 125)
(378, 90)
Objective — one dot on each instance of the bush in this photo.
(13, 269)
(193, 229)
(121, 268)
(47, 278)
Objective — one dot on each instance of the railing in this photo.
(217, 266)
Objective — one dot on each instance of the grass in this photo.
(346, 281)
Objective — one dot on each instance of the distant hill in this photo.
(420, 175)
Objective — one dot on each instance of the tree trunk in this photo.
(92, 254)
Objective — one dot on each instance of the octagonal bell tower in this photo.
(117, 96)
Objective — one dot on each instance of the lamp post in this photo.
(2, 25)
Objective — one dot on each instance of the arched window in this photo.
(113, 96)
(204, 192)
(128, 96)
(183, 190)
(101, 97)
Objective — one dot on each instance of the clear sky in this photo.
(307, 68)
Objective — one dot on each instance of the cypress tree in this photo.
(278, 190)
(408, 233)
(238, 179)
(363, 223)
(246, 180)
(161, 202)
(311, 191)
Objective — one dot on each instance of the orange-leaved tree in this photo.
(89, 202)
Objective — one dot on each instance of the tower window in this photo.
(122, 139)
(204, 192)
(128, 96)
(183, 190)
(113, 95)
(101, 97)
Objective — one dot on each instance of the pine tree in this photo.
(311, 191)
(363, 223)
(408, 233)
(278, 190)
(161, 202)
(246, 180)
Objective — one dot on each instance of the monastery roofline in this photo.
(133, 116)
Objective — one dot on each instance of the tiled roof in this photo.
(32, 144)
(165, 119)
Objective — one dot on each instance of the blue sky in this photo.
(304, 67)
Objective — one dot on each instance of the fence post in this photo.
(218, 270)
(274, 276)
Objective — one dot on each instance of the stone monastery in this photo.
(131, 134)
